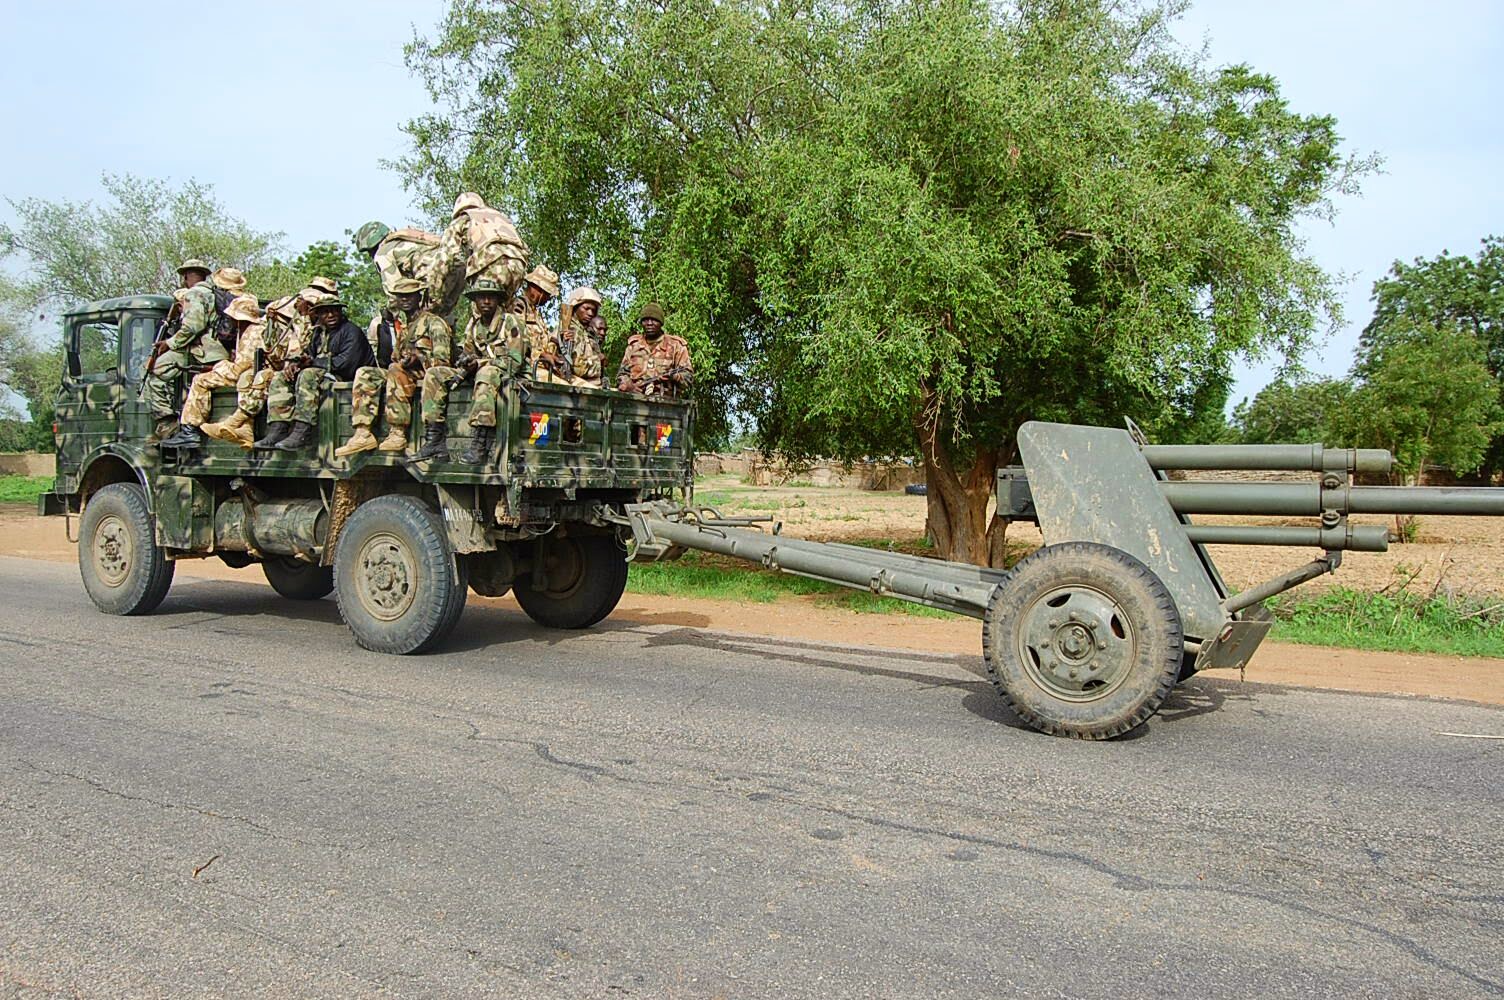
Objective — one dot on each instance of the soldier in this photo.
(281, 339)
(545, 353)
(401, 253)
(479, 242)
(246, 315)
(586, 359)
(422, 338)
(655, 363)
(493, 350)
(192, 343)
(337, 348)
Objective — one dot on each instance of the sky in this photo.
(94, 87)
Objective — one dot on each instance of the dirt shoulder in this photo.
(24, 535)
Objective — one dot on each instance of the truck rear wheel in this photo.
(124, 571)
(399, 586)
(583, 579)
(1082, 640)
(297, 580)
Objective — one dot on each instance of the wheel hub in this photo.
(386, 576)
(112, 551)
(1077, 643)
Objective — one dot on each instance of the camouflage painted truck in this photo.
(399, 542)
(1084, 638)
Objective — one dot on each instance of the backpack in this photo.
(222, 325)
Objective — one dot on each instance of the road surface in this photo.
(228, 798)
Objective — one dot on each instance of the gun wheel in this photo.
(1082, 640)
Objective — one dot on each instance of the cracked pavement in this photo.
(228, 798)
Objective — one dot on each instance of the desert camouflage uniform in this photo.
(194, 343)
(586, 360)
(236, 371)
(480, 242)
(429, 336)
(410, 253)
(646, 365)
(542, 343)
(502, 345)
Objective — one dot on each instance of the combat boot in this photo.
(480, 446)
(361, 440)
(187, 436)
(395, 440)
(162, 430)
(300, 437)
(236, 430)
(275, 432)
(435, 443)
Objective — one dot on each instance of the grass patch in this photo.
(24, 489)
(720, 578)
(1399, 622)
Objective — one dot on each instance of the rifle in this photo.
(467, 364)
(665, 383)
(166, 330)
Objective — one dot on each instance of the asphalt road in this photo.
(228, 798)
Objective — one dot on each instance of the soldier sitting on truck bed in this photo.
(492, 350)
(338, 348)
(546, 361)
(655, 363)
(586, 359)
(280, 339)
(191, 344)
(422, 339)
(248, 340)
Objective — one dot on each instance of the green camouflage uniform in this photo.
(502, 346)
(586, 360)
(194, 343)
(424, 333)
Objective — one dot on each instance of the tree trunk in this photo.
(956, 500)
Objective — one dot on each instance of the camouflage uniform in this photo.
(542, 344)
(427, 335)
(655, 367)
(192, 344)
(479, 242)
(236, 371)
(410, 253)
(502, 346)
(586, 359)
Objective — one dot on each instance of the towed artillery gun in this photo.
(1083, 638)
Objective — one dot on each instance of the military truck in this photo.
(399, 542)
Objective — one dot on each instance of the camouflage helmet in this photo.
(327, 301)
(194, 264)
(584, 294)
(407, 286)
(544, 280)
(326, 285)
(652, 311)
(466, 202)
(369, 236)
(486, 286)
(244, 307)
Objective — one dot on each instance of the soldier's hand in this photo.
(289, 370)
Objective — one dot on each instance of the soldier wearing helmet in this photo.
(493, 349)
(655, 363)
(584, 352)
(479, 242)
(546, 360)
(421, 339)
(401, 253)
(192, 343)
(235, 370)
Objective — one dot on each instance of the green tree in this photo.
(1296, 409)
(31, 374)
(359, 281)
(890, 227)
(1445, 291)
(1425, 393)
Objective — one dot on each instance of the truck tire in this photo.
(297, 580)
(1082, 640)
(124, 571)
(585, 578)
(399, 586)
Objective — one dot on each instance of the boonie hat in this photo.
(544, 279)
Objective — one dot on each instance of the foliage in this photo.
(890, 227)
(1402, 621)
(359, 281)
(75, 252)
(24, 489)
(1446, 291)
(31, 373)
(1292, 409)
(1425, 394)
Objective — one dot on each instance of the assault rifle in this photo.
(664, 383)
(166, 330)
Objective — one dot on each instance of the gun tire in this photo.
(399, 586)
(1082, 640)
(585, 577)
(297, 580)
(124, 571)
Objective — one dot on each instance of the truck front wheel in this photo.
(581, 580)
(399, 586)
(124, 570)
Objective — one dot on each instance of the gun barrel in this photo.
(1348, 537)
(1309, 499)
(1269, 458)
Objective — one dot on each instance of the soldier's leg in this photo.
(365, 393)
(160, 385)
(442, 269)
(305, 406)
(483, 415)
(279, 401)
(196, 406)
(436, 393)
(251, 391)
